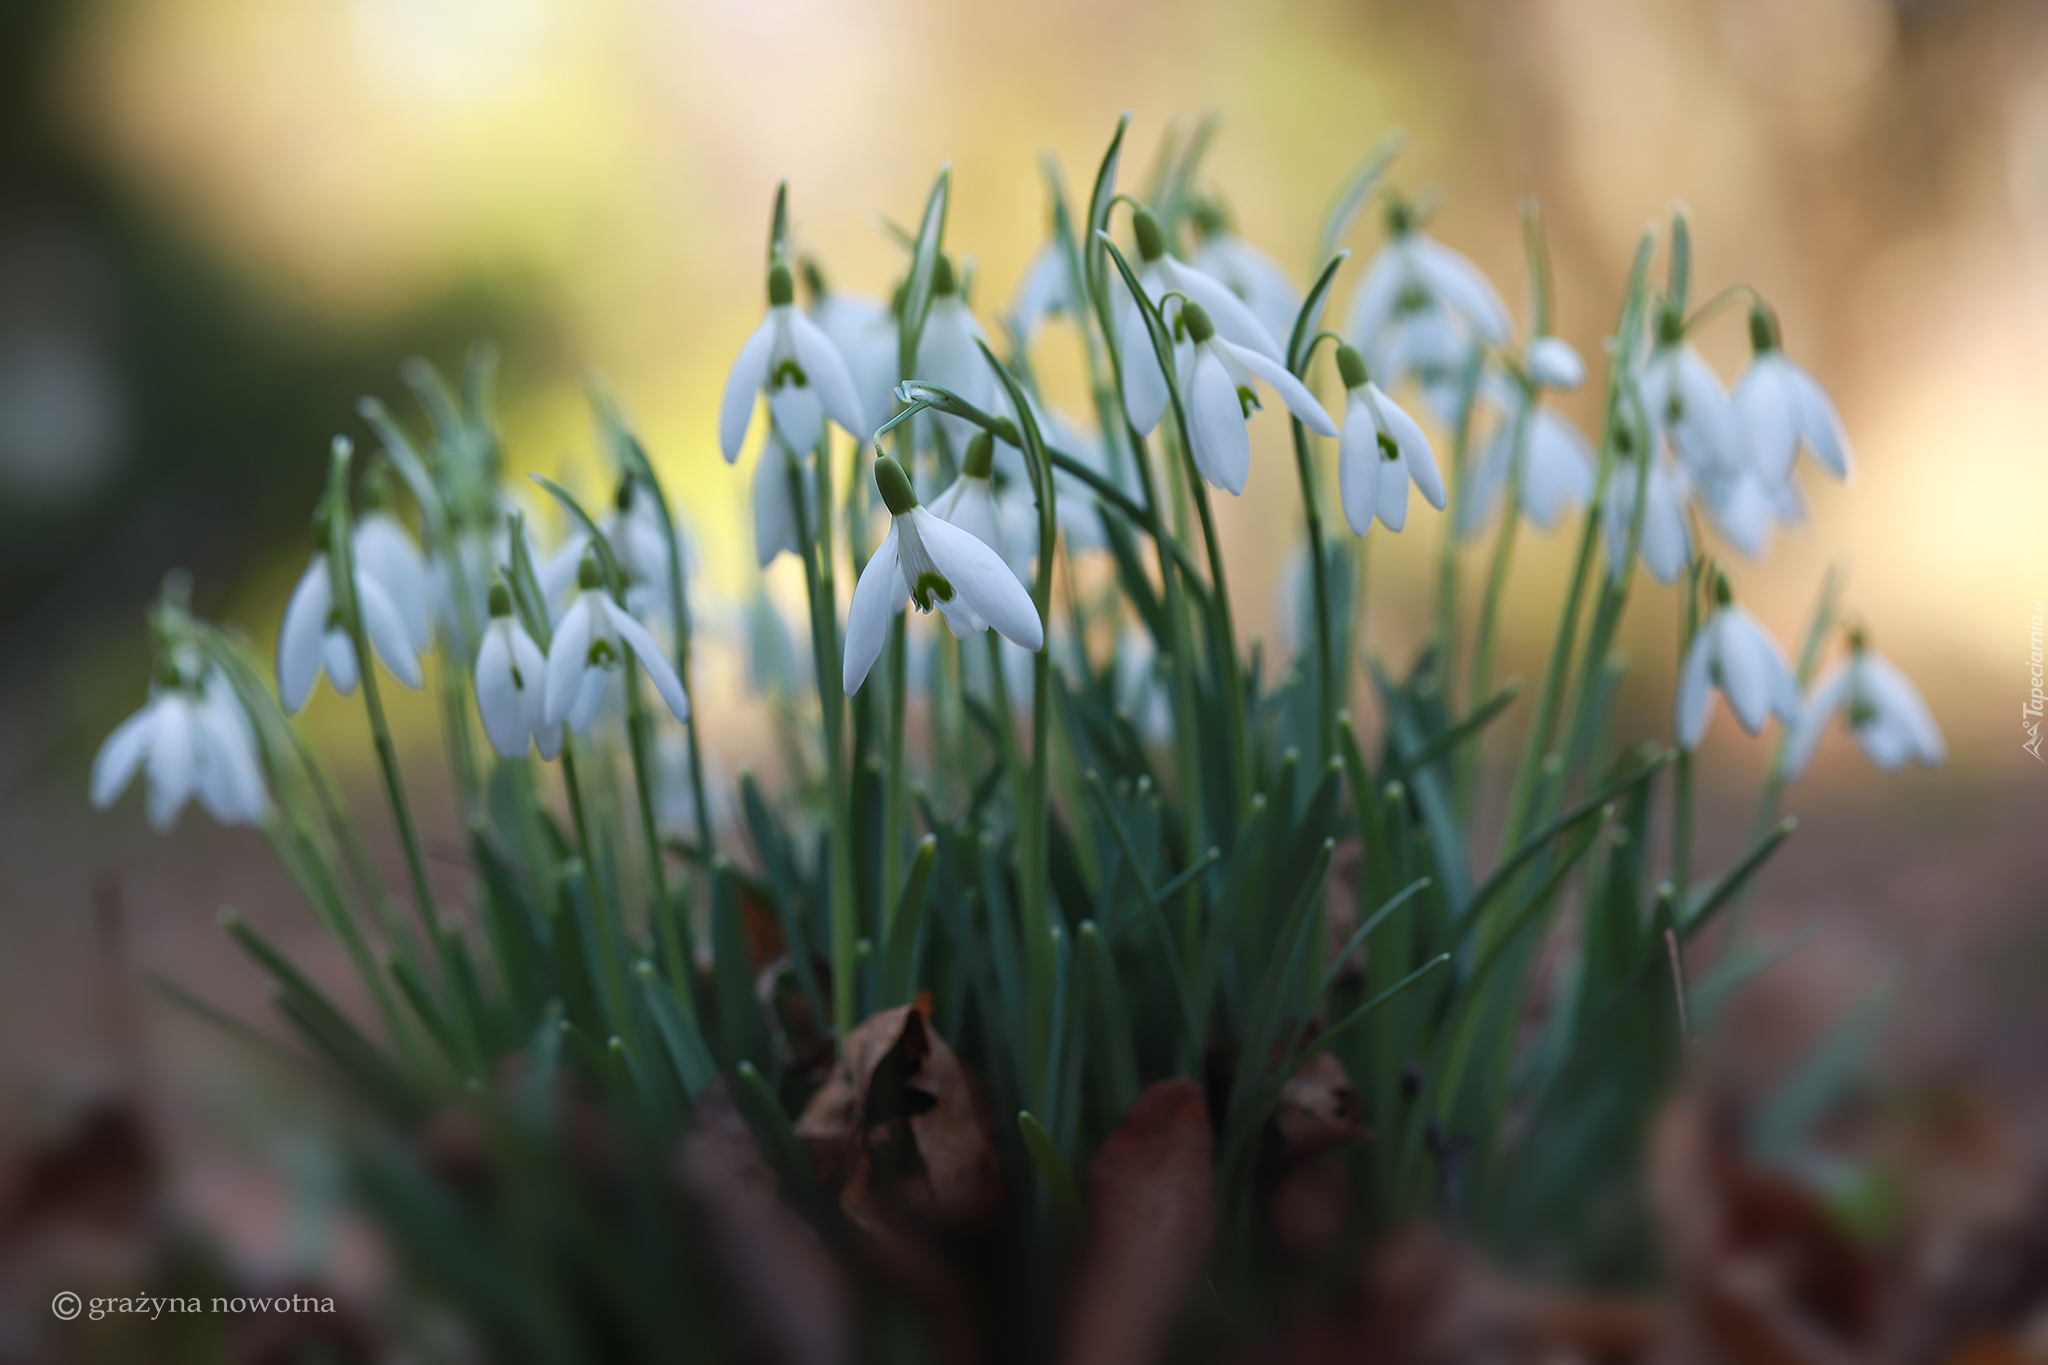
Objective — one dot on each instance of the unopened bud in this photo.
(1151, 237)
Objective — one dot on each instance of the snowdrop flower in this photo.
(191, 739)
(1781, 408)
(590, 645)
(314, 636)
(803, 373)
(1557, 463)
(1883, 709)
(1744, 508)
(1732, 653)
(1666, 545)
(385, 551)
(1414, 275)
(1160, 274)
(777, 526)
(864, 332)
(1380, 450)
(1687, 405)
(949, 355)
(1216, 384)
(928, 560)
(511, 684)
(1247, 272)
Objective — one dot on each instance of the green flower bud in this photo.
(980, 456)
(781, 288)
(1351, 366)
(1151, 237)
(500, 599)
(588, 575)
(894, 486)
(1763, 329)
(1195, 318)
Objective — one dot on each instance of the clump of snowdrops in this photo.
(1065, 915)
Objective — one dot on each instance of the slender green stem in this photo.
(1681, 810)
(613, 957)
(1326, 662)
(1486, 633)
(895, 772)
(1447, 556)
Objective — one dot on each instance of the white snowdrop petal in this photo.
(1234, 321)
(981, 581)
(173, 764)
(1219, 441)
(748, 374)
(338, 656)
(647, 650)
(1766, 408)
(1145, 395)
(829, 376)
(385, 552)
(1554, 363)
(299, 639)
(568, 659)
(121, 753)
(1292, 391)
(1463, 286)
(1414, 446)
(1393, 489)
(590, 692)
(1894, 695)
(1820, 423)
(500, 698)
(1745, 675)
(878, 596)
(1358, 466)
(1372, 303)
(775, 520)
(385, 627)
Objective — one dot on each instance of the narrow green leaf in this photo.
(1052, 1169)
(899, 955)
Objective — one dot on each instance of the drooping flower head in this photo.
(1421, 308)
(1880, 706)
(1557, 466)
(1216, 384)
(1380, 451)
(949, 354)
(971, 503)
(1666, 544)
(1782, 409)
(805, 378)
(1734, 655)
(1161, 274)
(863, 329)
(1686, 404)
(315, 635)
(590, 645)
(191, 738)
(511, 684)
(929, 561)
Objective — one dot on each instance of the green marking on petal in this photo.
(1247, 400)
(928, 586)
(1388, 450)
(791, 373)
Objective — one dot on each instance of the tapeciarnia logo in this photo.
(2030, 712)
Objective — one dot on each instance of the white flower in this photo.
(1247, 272)
(1216, 384)
(1159, 274)
(805, 377)
(1380, 450)
(1732, 653)
(589, 646)
(1687, 405)
(1426, 346)
(1666, 545)
(314, 636)
(1744, 508)
(949, 355)
(864, 332)
(1412, 272)
(192, 739)
(511, 684)
(932, 562)
(777, 526)
(1557, 470)
(1885, 713)
(385, 551)
(1781, 407)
